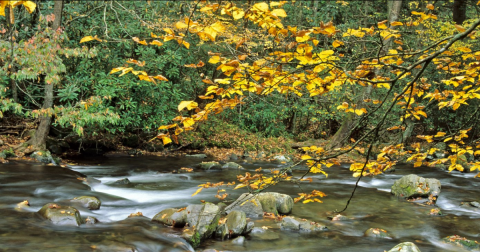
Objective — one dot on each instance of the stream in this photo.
(154, 187)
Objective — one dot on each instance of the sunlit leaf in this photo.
(198, 190)
(187, 104)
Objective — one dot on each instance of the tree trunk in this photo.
(10, 23)
(344, 132)
(39, 139)
(459, 11)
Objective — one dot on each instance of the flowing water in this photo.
(154, 187)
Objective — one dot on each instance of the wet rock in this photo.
(124, 181)
(90, 202)
(61, 215)
(22, 206)
(264, 235)
(222, 232)
(474, 204)
(239, 240)
(249, 227)
(377, 233)
(411, 186)
(90, 220)
(461, 242)
(249, 208)
(196, 156)
(44, 157)
(209, 165)
(405, 247)
(281, 159)
(338, 217)
(290, 223)
(171, 217)
(435, 212)
(441, 167)
(232, 165)
(233, 157)
(236, 223)
(203, 221)
(110, 246)
(276, 203)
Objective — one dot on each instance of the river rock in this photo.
(244, 203)
(461, 242)
(236, 223)
(281, 159)
(232, 165)
(44, 157)
(222, 232)
(264, 235)
(61, 215)
(405, 247)
(196, 156)
(411, 186)
(239, 240)
(203, 221)
(249, 227)
(233, 157)
(377, 233)
(209, 165)
(90, 202)
(296, 224)
(90, 220)
(276, 203)
(124, 181)
(171, 217)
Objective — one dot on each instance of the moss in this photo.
(196, 240)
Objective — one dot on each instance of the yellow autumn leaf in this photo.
(279, 13)
(307, 201)
(187, 104)
(156, 42)
(181, 25)
(29, 5)
(218, 27)
(337, 43)
(239, 186)
(143, 42)
(430, 6)
(396, 23)
(169, 31)
(440, 134)
(343, 106)
(198, 190)
(89, 38)
(166, 140)
(360, 111)
(447, 139)
(382, 25)
(238, 13)
(261, 7)
(464, 49)
(460, 28)
(476, 152)
(304, 157)
(178, 131)
(188, 122)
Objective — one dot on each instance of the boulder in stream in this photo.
(232, 165)
(209, 165)
(462, 242)
(412, 186)
(196, 156)
(171, 217)
(303, 225)
(45, 157)
(90, 202)
(247, 203)
(61, 215)
(276, 203)
(405, 247)
(236, 223)
(203, 221)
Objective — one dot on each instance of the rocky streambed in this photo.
(145, 204)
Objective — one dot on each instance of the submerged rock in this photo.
(411, 186)
(124, 181)
(265, 235)
(296, 224)
(239, 240)
(461, 242)
(196, 156)
(209, 165)
(232, 165)
(90, 220)
(171, 217)
(61, 215)
(90, 202)
(377, 233)
(405, 247)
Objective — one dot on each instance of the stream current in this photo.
(154, 187)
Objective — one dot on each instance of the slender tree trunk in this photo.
(10, 27)
(348, 124)
(40, 137)
(459, 11)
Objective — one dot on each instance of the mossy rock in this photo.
(61, 215)
(412, 186)
(461, 242)
(209, 165)
(405, 247)
(90, 202)
(171, 217)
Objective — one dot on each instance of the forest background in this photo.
(376, 77)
